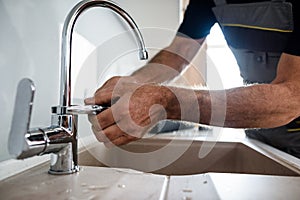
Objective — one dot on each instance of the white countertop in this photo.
(117, 183)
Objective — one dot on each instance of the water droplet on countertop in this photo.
(93, 197)
(35, 187)
(97, 187)
(121, 186)
(83, 184)
(85, 191)
(68, 190)
(187, 190)
(186, 198)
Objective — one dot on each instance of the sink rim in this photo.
(285, 160)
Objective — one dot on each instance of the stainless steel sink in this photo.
(181, 157)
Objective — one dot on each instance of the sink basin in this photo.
(181, 157)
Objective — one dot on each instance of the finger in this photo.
(112, 132)
(107, 135)
(89, 101)
(105, 119)
(96, 128)
(102, 120)
(99, 135)
(131, 128)
(111, 93)
(94, 121)
(103, 96)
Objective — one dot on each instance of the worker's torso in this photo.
(257, 33)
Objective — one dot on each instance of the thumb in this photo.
(89, 101)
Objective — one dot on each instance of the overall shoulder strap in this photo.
(220, 2)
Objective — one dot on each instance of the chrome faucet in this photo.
(61, 137)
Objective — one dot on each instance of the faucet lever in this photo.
(26, 142)
(21, 117)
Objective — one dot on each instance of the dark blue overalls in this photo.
(258, 58)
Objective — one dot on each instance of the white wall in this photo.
(30, 45)
(222, 69)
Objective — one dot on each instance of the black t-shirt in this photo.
(199, 18)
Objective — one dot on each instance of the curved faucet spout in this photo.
(66, 48)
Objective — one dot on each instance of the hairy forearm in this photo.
(169, 62)
(257, 106)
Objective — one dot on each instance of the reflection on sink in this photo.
(180, 157)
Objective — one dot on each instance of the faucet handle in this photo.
(86, 109)
(21, 116)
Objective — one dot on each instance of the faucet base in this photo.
(64, 162)
(72, 171)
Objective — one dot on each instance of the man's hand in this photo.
(136, 107)
(133, 114)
